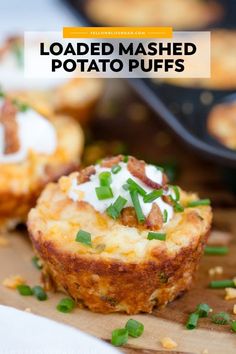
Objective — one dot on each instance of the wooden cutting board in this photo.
(15, 258)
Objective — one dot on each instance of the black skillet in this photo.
(188, 121)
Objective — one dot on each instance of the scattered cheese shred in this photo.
(215, 271)
(27, 309)
(168, 343)
(3, 241)
(13, 281)
(230, 293)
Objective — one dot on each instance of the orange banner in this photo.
(117, 32)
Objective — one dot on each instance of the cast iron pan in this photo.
(184, 110)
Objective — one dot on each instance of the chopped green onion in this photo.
(104, 192)
(23, 107)
(19, 53)
(25, 290)
(233, 326)
(165, 216)
(36, 262)
(66, 305)
(115, 209)
(39, 293)
(125, 187)
(203, 310)
(84, 237)
(119, 337)
(199, 202)
(178, 208)
(135, 328)
(221, 318)
(159, 168)
(148, 198)
(105, 178)
(216, 250)
(156, 236)
(134, 186)
(115, 169)
(126, 158)
(177, 193)
(137, 206)
(192, 320)
(2, 94)
(221, 284)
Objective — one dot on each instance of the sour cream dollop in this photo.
(86, 191)
(35, 133)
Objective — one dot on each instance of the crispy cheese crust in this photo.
(123, 271)
(21, 183)
(179, 13)
(221, 124)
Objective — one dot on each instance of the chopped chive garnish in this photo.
(39, 293)
(137, 206)
(221, 318)
(105, 178)
(221, 284)
(135, 328)
(25, 290)
(178, 208)
(203, 310)
(66, 305)
(159, 168)
(177, 193)
(126, 158)
(119, 337)
(36, 262)
(125, 187)
(19, 53)
(216, 250)
(84, 237)
(165, 216)
(192, 320)
(156, 236)
(2, 94)
(134, 186)
(115, 169)
(148, 198)
(104, 192)
(115, 209)
(23, 107)
(233, 326)
(199, 202)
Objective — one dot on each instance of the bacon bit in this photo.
(230, 293)
(215, 271)
(111, 161)
(8, 119)
(154, 220)
(137, 169)
(234, 309)
(167, 199)
(128, 217)
(168, 343)
(13, 281)
(84, 175)
(3, 241)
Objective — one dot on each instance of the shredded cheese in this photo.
(13, 281)
(168, 343)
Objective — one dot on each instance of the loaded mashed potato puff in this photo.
(33, 152)
(117, 237)
(76, 97)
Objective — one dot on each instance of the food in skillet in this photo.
(76, 97)
(117, 237)
(223, 64)
(221, 124)
(180, 14)
(33, 151)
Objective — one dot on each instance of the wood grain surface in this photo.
(145, 137)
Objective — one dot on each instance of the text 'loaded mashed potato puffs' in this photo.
(180, 14)
(76, 97)
(33, 151)
(117, 238)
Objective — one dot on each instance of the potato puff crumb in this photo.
(13, 281)
(3, 241)
(230, 293)
(215, 271)
(65, 184)
(168, 343)
(234, 309)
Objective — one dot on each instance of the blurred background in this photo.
(117, 117)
